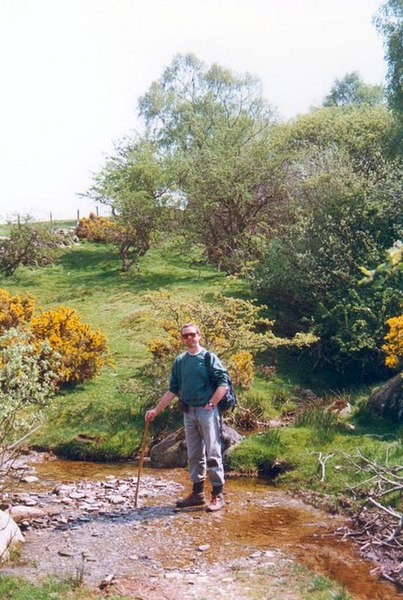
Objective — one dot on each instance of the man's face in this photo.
(190, 336)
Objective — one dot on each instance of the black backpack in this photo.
(228, 401)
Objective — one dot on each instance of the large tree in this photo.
(389, 22)
(213, 127)
(345, 212)
(352, 89)
(135, 184)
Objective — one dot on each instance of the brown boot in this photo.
(196, 498)
(217, 499)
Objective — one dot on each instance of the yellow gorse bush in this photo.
(231, 327)
(15, 310)
(79, 351)
(241, 368)
(83, 350)
(96, 229)
(394, 343)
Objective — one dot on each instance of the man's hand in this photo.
(150, 415)
(208, 406)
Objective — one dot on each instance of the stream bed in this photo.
(251, 549)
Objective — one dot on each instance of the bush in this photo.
(394, 343)
(83, 351)
(15, 310)
(233, 328)
(95, 229)
(27, 382)
(28, 244)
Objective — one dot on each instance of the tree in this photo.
(389, 22)
(342, 217)
(28, 244)
(135, 184)
(212, 128)
(351, 89)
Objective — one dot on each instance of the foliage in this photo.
(389, 22)
(134, 183)
(18, 588)
(27, 382)
(213, 128)
(233, 328)
(322, 423)
(342, 219)
(95, 228)
(391, 267)
(393, 346)
(364, 136)
(83, 350)
(241, 364)
(28, 244)
(351, 89)
(15, 310)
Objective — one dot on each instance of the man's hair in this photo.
(190, 325)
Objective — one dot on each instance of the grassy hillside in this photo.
(103, 419)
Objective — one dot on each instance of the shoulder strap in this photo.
(207, 362)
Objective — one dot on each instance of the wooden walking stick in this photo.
(141, 460)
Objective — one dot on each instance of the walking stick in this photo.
(141, 460)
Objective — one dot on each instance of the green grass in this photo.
(16, 588)
(103, 419)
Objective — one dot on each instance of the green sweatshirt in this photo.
(190, 378)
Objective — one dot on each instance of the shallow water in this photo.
(258, 517)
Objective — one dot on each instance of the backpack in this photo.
(228, 401)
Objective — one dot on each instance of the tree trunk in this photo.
(387, 400)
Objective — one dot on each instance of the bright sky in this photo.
(73, 70)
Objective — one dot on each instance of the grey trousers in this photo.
(203, 440)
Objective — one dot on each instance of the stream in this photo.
(251, 549)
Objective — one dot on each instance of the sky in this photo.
(72, 72)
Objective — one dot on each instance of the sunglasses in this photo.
(187, 335)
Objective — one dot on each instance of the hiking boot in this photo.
(217, 502)
(194, 499)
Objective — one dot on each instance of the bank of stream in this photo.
(251, 549)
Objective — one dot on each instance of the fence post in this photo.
(78, 217)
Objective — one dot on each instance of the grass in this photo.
(15, 588)
(103, 419)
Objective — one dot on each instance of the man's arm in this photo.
(163, 403)
(216, 397)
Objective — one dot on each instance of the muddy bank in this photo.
(91, 527)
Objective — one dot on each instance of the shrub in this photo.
(15, 310)
(28, 244)
(233, 328)
(83, 351)
(394, 343)
(95, 229)
(27, 382)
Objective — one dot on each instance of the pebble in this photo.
(30, 479)
(203, 547)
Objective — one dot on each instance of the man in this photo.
(199, 391)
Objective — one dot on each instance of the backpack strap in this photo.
(207, 362)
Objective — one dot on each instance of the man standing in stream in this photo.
(200, 392)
